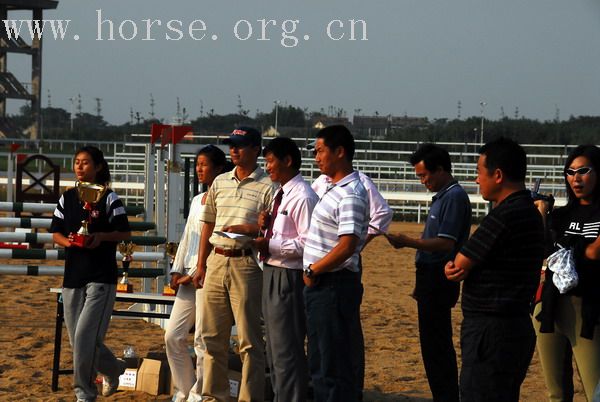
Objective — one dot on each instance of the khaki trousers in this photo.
(552, 348)
(232, 291)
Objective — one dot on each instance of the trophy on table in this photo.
(126, 249)
(90, 194)
(171, 250)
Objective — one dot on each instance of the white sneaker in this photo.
(109, 386)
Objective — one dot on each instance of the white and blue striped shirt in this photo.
(342, 210)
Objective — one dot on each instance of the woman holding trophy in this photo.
(88, 222)
(210, 162)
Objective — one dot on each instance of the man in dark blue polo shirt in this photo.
(500, 265)
(447, 228)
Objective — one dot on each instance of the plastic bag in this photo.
(565, 276)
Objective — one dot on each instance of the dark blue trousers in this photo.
(332, 312)
(435, 298)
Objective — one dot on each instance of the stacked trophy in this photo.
(126, 250)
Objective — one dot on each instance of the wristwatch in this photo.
(308, 272)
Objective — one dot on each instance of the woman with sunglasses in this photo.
(567, 324)
(210, 162)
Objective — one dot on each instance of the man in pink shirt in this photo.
(281, 250)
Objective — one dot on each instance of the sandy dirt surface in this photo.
(394, 371)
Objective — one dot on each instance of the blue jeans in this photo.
(332, 312)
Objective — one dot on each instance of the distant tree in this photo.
(225, 123)
(287, 116)
(294, 120)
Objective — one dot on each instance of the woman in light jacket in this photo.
(210, 162)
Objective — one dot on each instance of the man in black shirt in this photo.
(500, 265)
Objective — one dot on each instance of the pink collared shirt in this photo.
(291, 224)
(380, 212)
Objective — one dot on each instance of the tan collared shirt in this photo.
(235, 202)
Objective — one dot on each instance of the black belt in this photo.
(233, 252)
(343, 275)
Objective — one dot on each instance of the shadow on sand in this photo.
(379, 396)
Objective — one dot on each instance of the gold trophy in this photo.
(90, 194)
(126, 249)
(171, 250)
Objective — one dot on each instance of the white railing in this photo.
(388, 168)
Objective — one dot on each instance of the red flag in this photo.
(166, 136)
(14, 147)
(179, 132)
(156, 131)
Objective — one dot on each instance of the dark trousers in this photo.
(435, 298)
(358, 342)
(437, 349)
(285, 324)
(496, 352)
(332, 309)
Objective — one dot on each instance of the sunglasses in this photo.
(581, 171)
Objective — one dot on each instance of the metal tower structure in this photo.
(10, 86)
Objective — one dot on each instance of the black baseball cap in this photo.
(244, 136)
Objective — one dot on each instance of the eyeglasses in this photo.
(581, 171)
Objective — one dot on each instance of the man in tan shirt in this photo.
(229, 273)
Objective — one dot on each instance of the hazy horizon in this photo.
(420, 58)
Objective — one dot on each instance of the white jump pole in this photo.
(10, 172)
(58, 254)
(32, 270)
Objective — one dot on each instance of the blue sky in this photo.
(420, 59)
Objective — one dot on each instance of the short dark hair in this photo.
(592, 153)
(281, 147)
(103, 175)
(433, 156)
(506, 155)
(213, 153)
(338, 135)
(216, 157)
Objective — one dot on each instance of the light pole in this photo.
(276, 102)
(482, 103)
(72, 100)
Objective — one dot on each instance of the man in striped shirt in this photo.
(228, 271)
(500, 266)
(380, 218)
(337, 233)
